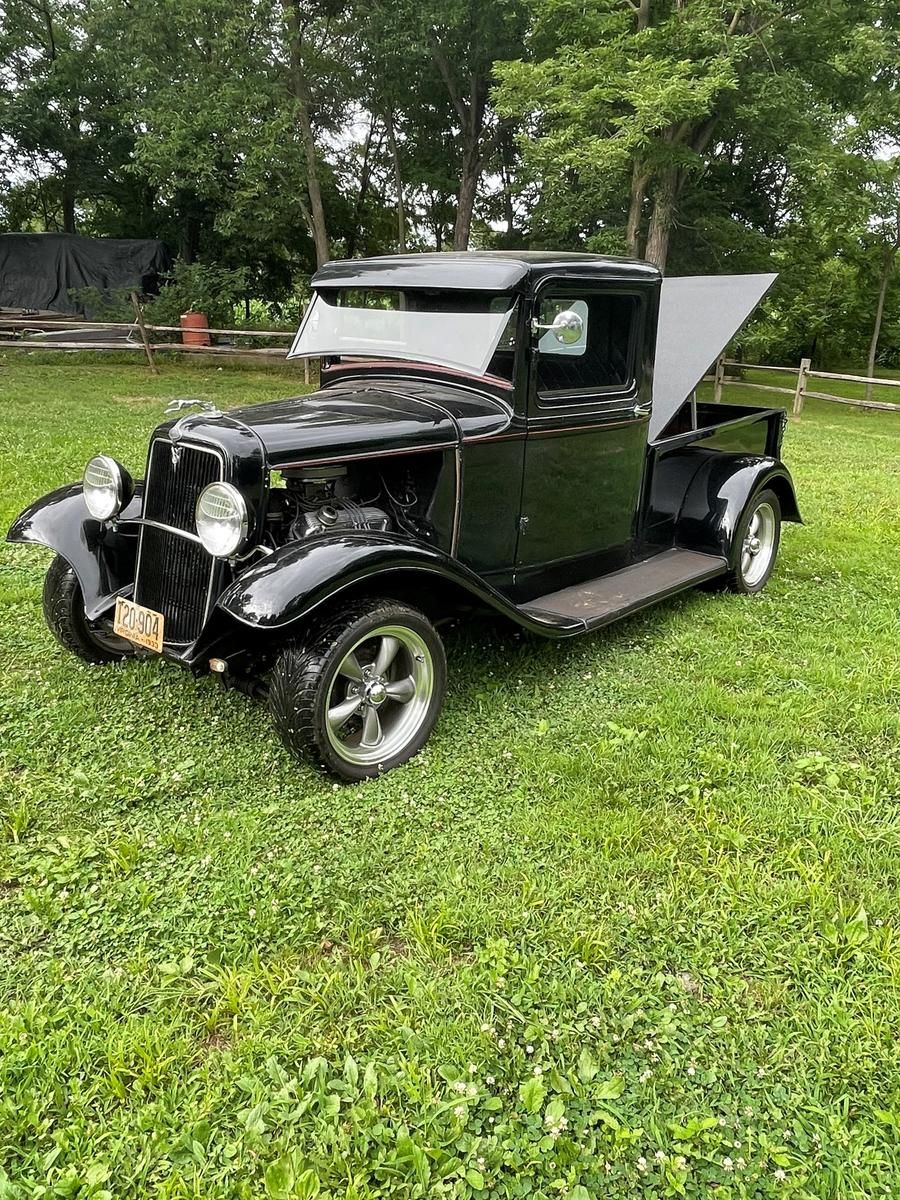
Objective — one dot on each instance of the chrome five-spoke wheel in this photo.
(757, 541)
(363, 691)
(380, 695)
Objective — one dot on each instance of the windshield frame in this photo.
(462, 341)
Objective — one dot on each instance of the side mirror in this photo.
(567, 327)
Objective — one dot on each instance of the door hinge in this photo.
(523, 524)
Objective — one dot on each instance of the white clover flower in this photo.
(595, 1021)
(490, 1081)
(486, 1028)
(459, 1111)
(681, 1162)
(692, 1070)
(722, 1121)
(538, 1071)
(781, 1175)
(740, 1164)
(529, 1049)
(727, 1164)
(459, 1086)
(642, 1163)
(660, 1156)
(645, 1075)
(501, 1042)
(471, 1091)
(472, 1068)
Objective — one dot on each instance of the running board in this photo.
(597, 602)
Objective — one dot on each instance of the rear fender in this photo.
(101, 553)
(718, 495)
(299, 577)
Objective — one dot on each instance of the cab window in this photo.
(602, 359)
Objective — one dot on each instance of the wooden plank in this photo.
(156, 347)
(759, 367)
(881, 405)
(800, 391)
(138, 312)
(761, 387)
(855, 378)
(22, 323)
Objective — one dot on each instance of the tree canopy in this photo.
(262, 137)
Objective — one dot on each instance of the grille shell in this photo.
(171, 491)
(175, 575)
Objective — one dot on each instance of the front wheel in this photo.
(65, 616)
(756, 543)
(363, 692)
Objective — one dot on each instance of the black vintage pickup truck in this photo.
(515, 432)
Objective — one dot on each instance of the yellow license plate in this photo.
(140, 625)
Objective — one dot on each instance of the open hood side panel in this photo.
(698, 317)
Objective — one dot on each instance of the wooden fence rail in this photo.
(801, 390)
(12, 327)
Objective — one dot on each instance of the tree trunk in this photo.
(398, 181)
(300, 93)
(662, 219)
(468, 189)
(365, 175)
(68, 201)
(887, 269)
(639, 181)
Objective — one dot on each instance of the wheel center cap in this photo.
(376, 692)
(753, 545)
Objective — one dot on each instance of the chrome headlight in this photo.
(107, 487)
(222, 519)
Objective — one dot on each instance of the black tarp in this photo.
(42, 270)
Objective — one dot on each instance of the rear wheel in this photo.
(65, 616)
(364, 691)
(756, 543)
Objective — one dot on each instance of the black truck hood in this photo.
(356, 418)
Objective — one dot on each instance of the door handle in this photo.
(642, 410)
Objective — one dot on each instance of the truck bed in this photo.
(738, 428)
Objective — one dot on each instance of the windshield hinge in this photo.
(523, 524)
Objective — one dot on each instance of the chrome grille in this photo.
(176, 475)
(175, 575)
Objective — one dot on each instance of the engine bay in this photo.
(306, 502)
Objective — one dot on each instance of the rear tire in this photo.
(65, 617)
(756, 543)
(363, 692)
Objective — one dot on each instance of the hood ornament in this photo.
(179, 404)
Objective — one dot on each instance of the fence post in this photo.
(720, 379)
(802, 380)
(139, 315)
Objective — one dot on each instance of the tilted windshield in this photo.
(466, 331)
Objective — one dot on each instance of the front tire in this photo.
(65, 617)
(756, 543)
(362, 694)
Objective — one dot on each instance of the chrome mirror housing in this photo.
(567, 327)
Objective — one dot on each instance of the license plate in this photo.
(140, 625)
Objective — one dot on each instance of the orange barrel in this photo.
(194, 329)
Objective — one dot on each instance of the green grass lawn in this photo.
(628, 927)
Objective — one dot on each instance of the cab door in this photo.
(586, 445)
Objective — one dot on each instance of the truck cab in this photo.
(516, 432)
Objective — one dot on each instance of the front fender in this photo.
(297, 578)
(718, 495)
(102, 554)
